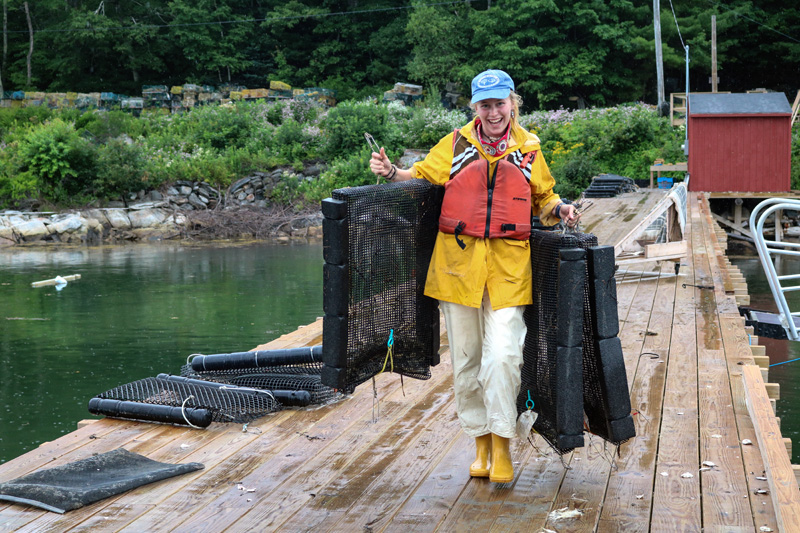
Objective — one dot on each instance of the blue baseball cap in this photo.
(491, 84)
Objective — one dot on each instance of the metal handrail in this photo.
(767, 249)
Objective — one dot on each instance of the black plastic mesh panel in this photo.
(541, 374)
(226, 405)
(280, 378)
(376, 288)
(605, 398)
(605, 394)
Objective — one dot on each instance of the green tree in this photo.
(215, 49)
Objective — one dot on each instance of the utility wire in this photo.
(244, 21)
(716, 4)
(676, 24)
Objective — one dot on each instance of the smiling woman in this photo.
(495, 179)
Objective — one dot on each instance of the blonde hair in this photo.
(516, 103)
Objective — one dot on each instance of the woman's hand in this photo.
(569, 215)
(380, 164)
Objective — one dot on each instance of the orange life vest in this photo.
(483, 205)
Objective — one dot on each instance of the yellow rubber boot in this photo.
(501, 471)
(483, 445)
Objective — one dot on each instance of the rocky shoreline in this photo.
(184, 210)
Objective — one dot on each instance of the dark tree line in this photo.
(601, 51)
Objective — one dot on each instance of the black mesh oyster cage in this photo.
(377, 243)
(573, 368)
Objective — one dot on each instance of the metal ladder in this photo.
(769, 249)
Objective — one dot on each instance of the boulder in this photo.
(118, 218)
(238, 184)
(7, 233)
(146, 218)
(94, 225)
(195, 201)
(207, 190)
(96, 214)
(32, 230)
(69, 224)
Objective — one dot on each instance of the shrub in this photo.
(305, 111)
(58, 161)
(275, 113)
(120, 169)
(346, 124)
(350, 171)
(292, 142)
(428, 125)
(575, 171)
(12, 118)
(106, 125)
(219, 126)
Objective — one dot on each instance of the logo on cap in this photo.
(490, 80)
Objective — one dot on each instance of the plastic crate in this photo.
(665, 183)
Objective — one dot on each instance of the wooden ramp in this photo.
(401, 464)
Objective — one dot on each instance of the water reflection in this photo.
(136, 311)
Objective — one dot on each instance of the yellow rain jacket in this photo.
(502, 266)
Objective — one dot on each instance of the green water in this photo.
(786, 375)
(137, 311)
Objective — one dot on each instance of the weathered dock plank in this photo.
(676, 503)
(628, 498)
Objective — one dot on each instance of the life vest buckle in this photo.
(460, 228)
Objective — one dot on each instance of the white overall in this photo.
(486, 350)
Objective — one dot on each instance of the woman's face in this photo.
(495, 115)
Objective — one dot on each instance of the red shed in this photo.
(740, 142)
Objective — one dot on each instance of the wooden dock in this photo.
(699, 391)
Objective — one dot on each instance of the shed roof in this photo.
(739, 104)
